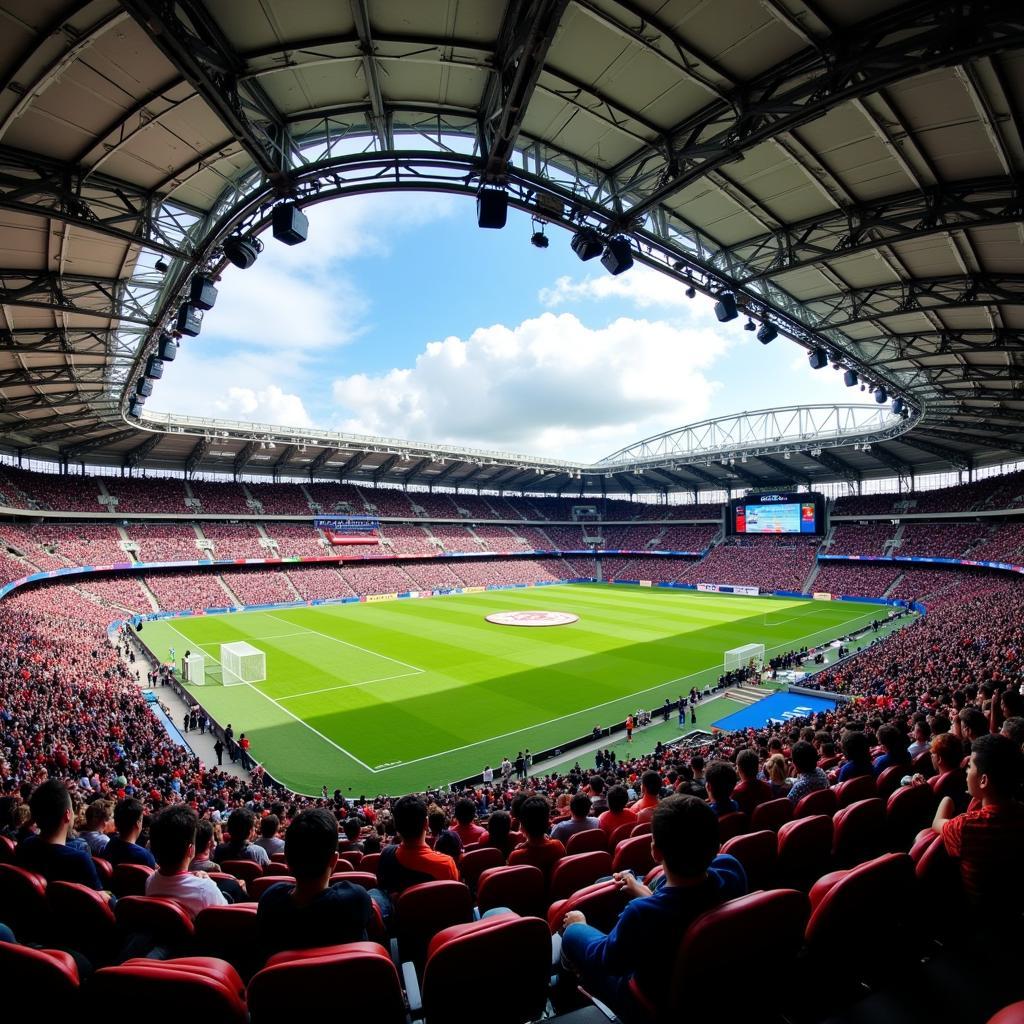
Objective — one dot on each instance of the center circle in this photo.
(532, 618)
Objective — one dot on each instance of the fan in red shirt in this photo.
(618, 813)
(750, 791)
(539, 849)
(465, 828)
(650, 792)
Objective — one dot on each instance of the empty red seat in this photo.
(484, 951)
(771, 814)
(105, 870)
(364, 879)
(620, 833)
(45, 973)
(821, 801)
(23, 904)
(730, 825)
(602, 903)
(579, 870)
(1012, 1014)
(81, 919)
(229, 933)
(276, 868)
(172, 991)
(354, 857)
(757, 852)
(643, 829)
(130, 880)
(423, 910)
(805, 851)
(476, 862)
(162, 920)
(859, 832)
(634, 855)
(361, 974)
(278, 858)
(952, 784)
(246, 870)
(586, 841)
(890, 779)
(908, 810)
(860, 787)
(520, 887)
(6, 850)
(369, 862)
(922, 765)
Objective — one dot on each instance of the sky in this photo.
(400, 317)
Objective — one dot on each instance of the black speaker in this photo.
(144, 388)
(154, 368)
(167, 348)
(898, 406)
(766, 334)
(850, 378)
(725, 307)
(618, 255)
(881, 396)
(491, 208)
(290, 224)
(818, 359)
(190, 320)
(135, 406)
(203, 292)
(587, 244)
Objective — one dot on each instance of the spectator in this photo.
(721, 780)
(857, 754)
(598, 798)
(269, 839)
(351, 843)
(97, 821)
(465, 828)
(312, 912)
(123, 847)
(538, 849)
(47, 853)
(894, 740)
(241, 828)
(922, 736)
(775, 776)
(750, 791)
(809, 776)
(618, 814)
(411, 861)
(581, 820)
(172, 838)
(642, 946)
(499, 829)
(650, 793)
(204, 847)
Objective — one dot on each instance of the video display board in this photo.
(782, 513)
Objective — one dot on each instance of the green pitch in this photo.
(388, 697)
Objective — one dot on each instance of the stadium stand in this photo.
(855, 579)
(854, 539)
(166, 542)
(279, 499)
(319, 584)
(219, 498)
(257, 586)
(771, 563)
(241, 541)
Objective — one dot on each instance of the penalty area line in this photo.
(349, 686)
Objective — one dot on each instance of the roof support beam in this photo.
(137, 455)
(384, 468)
(198, 453)
(522, 47)
(444, 474)
(351, 465)
(415, 471)
(76, 451)
(242, 458)
(501, 478)
(975, 436)
(832, 461)
(784, 468)
(100, 297)
(83, 341)
(283, 459)
(320, 461)
(702, 474)
(380, 120)
(959, 460)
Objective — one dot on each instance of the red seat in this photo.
(859, 832)
(890, 779)
(757, 852)
(860, 787)
(643, 829)
(484, 951)
(821, 801)
(578, 871)
(276, 868)
(171, 991)
(163, 920)
(369, 862)
(909, 809)
(705, 965)
(278, 858)
(130, 880)
(82, 919)
(843, 935)
(258, 886)
(922, 765)
(421, 911)
(361, 878)
(805, 851)
(474, 863)
(49, 973)
(634, 855)
(23, 902)
(246, 870)
(359, 973)
(731, 825)
(229, 933)
(952, 784)
(587, 841)
(772, 814)
(620, 833)
(602, 903)
(105, 870)
(520, 887)
(943, 900)
(1012, 1014)
(6, 850)
(344, 864)
(354, 857)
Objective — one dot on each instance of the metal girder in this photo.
(415, 471)
(477, 470)
(187, 35)
(61, 373)
(785, 470)
(887, 348)
(285, 457)
(68, 194)
(65, 340)
(519, 54)
(385, 467)
(320, 461)
(380, 120)
(243, 457)
(70, 431)
(954, 458)
(444, 474)
(351, 465)
(51, 400)
(832, 461)
(198, 453)
(717, 482)
(624, 481)
(500, 478)
(98, 442)
(512, 482)
(868, 225)
(921, 295)
(863, 59)
(113, 298)
(998, 442)
(137, 455)
(900, 468)
(745, 474)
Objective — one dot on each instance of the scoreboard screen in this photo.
(777, 513)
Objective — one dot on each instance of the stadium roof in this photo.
(850, 171)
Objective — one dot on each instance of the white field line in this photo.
(795, 642)
(290, 714)
(365, 650)
(349, 686)
(792, 618)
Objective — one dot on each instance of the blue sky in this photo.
(399, 316)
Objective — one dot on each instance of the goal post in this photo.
(747, 656)
(242, 663)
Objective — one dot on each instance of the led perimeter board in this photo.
(777, 512)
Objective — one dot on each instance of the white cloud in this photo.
(642, 286)
(551, 385)
(268, 405)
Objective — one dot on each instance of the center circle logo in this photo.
(532, 618)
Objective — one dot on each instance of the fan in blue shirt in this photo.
(643, 944)
(123, 848)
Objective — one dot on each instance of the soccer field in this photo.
(388, 697)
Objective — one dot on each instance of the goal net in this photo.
(747, 656)
(242, 663)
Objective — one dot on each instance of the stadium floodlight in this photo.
(135, 407)
(161, 267)
(881, 395)
(725, 307)
(289, 224)
(587, 244)
(818, 359)
(539, 240)
(618, 255)
(850, 378)
(691, 292)
(242, 250)
(766, 334)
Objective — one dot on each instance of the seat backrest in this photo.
(23, 901)
(772, 813)
(602, 903)
(81, 919)
(105, 870)
(859, 832)
(520, 887)
(164, 920)
(246, 870)
(821, 801)
(805, 850)
(579, 870)
(6, 850)
(299, 983)
(1012, 1014)
(229, 933)
(278, 858)
(369, 862)
(587, 840)
(757, 852)
(952, 784)
(908, 810)
(364, 879)
(474, 863)
(276, 868)
(130, 880)
(922, 765)
(423, 910)
(634, 854)
(52, 972)
(485, 951)
(620, 833)
(861, 787)
(258, 886)
(889, 780)
(730, 825)
(642, 829)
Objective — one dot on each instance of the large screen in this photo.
(777, 513)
